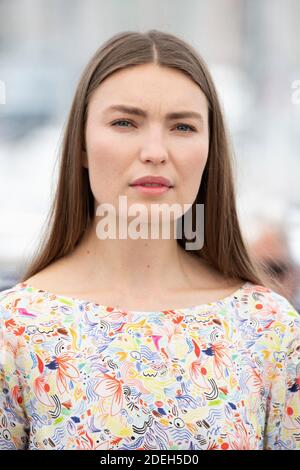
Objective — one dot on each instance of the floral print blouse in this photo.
(78, 375)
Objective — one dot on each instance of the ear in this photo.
(84, 159)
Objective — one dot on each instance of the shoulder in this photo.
(15, 298)
(274, 315)
(10, 298)
(31, 318)
(17, 309)
(266, 300)
(26, 306)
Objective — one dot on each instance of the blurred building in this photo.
(251, 46)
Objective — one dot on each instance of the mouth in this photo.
(149, 188)
(152, 181)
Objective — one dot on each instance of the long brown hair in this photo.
(73, 206)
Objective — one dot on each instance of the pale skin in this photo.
(141, 274)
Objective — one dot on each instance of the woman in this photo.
(146, 343)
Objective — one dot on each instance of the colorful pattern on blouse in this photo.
(78, 375)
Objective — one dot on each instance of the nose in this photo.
(156, 159)
(154, 151)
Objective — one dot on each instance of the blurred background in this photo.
(252, 48)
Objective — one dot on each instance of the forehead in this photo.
(152, 87)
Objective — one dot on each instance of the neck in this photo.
(140, 265)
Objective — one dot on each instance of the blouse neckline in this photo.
(96, 305)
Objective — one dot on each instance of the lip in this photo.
(164, 182)
(151, 190)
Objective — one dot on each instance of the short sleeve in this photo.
(14, 427)
(282, 431)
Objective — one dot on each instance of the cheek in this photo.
(191, 169)
(106, 165)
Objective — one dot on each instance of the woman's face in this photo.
(150, 144)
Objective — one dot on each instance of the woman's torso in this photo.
(95, 377)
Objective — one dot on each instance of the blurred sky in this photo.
(252, 48)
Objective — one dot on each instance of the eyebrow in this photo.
(140, 112)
